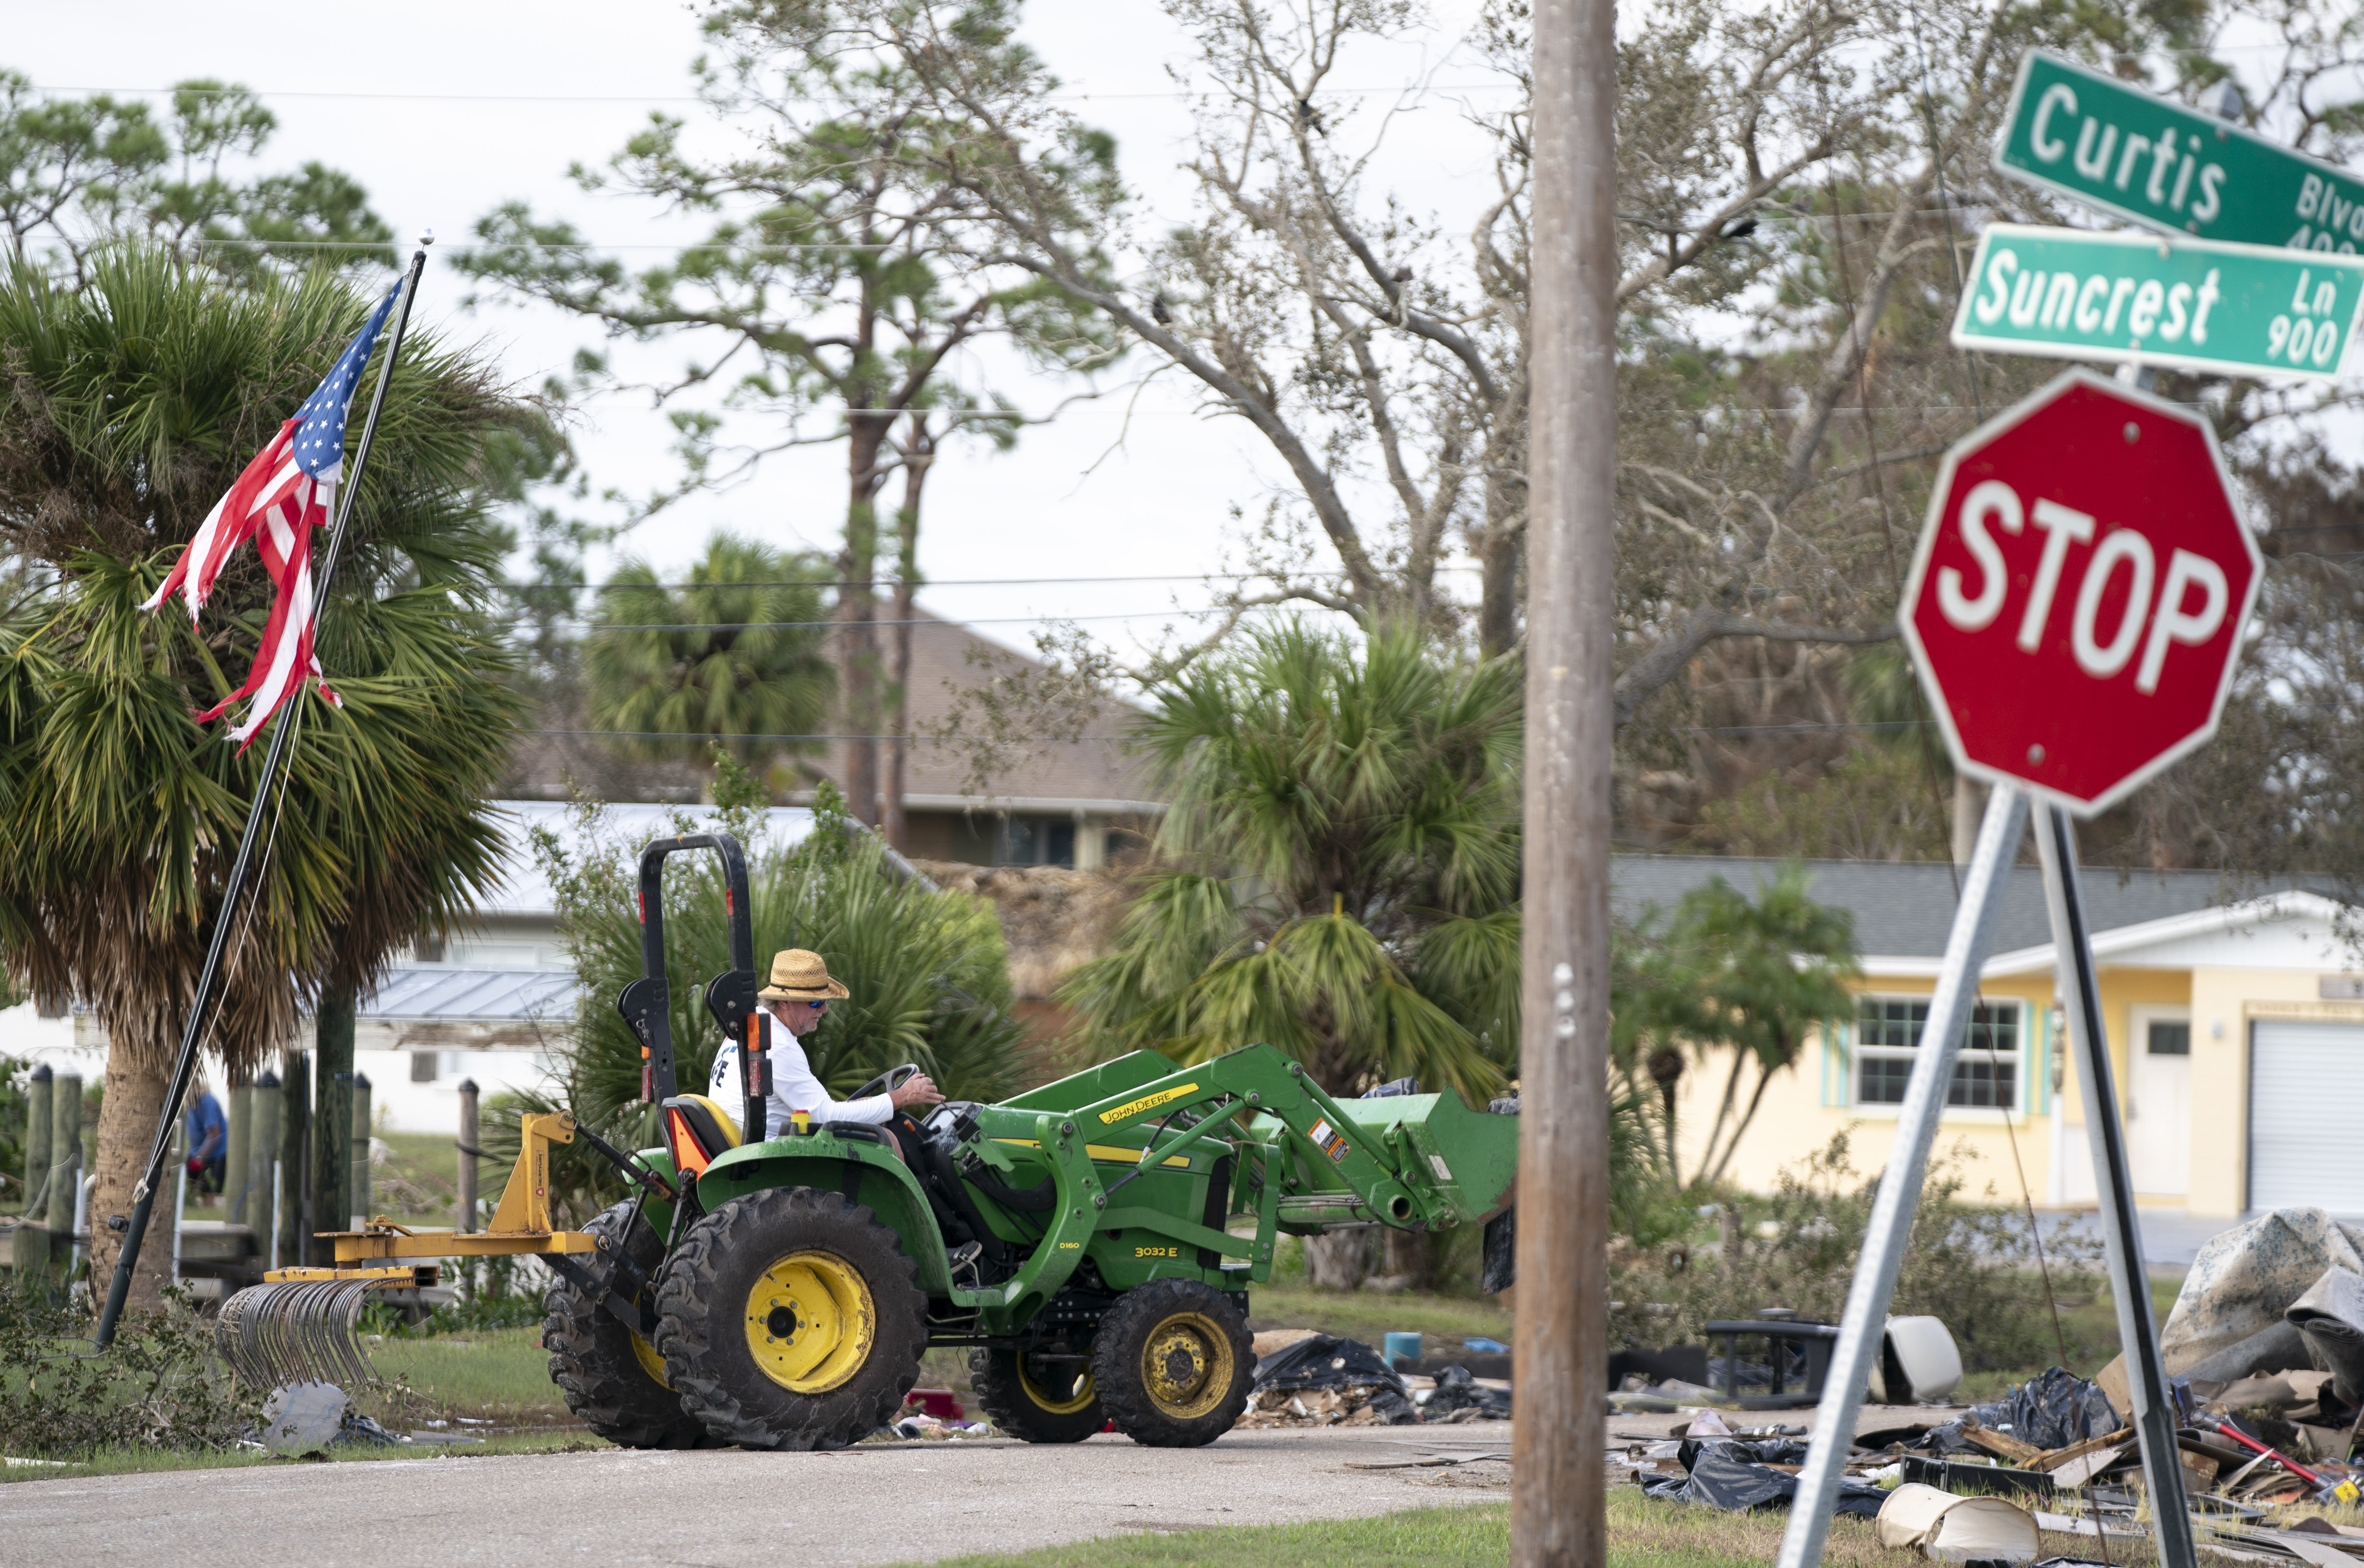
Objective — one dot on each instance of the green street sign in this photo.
(2195, 304)
(2143, 157)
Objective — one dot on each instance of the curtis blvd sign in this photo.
(2072, 294)
(2143, 157)
(2079, 593)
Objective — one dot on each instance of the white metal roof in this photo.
(472, 994)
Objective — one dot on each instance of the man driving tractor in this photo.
(796, 1001)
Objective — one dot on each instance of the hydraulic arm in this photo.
(1284, 1155)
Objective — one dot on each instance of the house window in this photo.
(1888, 1031)
(1037, 842)
(2170, 1038)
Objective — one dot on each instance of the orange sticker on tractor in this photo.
(1326, 1139)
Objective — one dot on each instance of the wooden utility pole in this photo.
(1562, 1350)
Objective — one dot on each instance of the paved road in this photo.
(865, 1505)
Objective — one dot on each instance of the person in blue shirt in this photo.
(208, 1145)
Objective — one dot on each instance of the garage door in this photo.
(2306, 1100)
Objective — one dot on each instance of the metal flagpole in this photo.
(143, 1196)
(2154, 1409)
(1864, 1323)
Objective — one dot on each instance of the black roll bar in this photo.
(730, 996)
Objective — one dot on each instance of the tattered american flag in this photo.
(287, 492)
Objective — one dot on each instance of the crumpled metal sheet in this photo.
(2331, 1315)
(2279, 1349)
(2244, 1280)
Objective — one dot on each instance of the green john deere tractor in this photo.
(1091, 1242)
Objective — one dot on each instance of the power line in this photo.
(487, 247)
(882, 583)
(696, 99)
(448, 249)
(704, 734)
(827, 624)
(1166, 94)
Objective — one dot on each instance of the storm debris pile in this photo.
(2265, 1350)
(1321, 1380)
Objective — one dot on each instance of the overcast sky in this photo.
(445, 107)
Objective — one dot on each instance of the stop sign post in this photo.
(2076, 606)
(2078, 599)
(2078, 596)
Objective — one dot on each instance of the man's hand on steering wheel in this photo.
(917, 1090)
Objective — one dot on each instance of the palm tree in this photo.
(736, 652)
(1724, 972)
(132, 403)
(1339, 867)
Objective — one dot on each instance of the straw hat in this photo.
(800, 975)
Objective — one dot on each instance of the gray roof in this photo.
(1904, 908)
(473, 994)
(1092, 771)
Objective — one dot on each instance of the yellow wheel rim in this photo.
(810, 1322)
(1186, 1365)
(1047, 1398)
(651, 1362)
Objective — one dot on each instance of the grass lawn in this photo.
(1366, 1314)
(1418, 1538)
(1642, 1534)
(149, 1460)
(418, 1183)
(501, 1376)
(492, 1383)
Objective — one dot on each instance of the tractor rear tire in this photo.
(1172, 1363)
(1033, 1402)
(791, 1319)
(609, 1375)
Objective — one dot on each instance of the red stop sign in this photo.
(2080, 591)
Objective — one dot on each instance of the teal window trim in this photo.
(1906, 1013)
(2039, 1081)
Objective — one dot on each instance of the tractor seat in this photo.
(700, 1131)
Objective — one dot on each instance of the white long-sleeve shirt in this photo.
(794, 1087)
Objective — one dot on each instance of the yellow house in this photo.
(2236, 1024)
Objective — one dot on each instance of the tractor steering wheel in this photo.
(886, 1083)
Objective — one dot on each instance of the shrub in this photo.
(159, 1385)
(1973, 1265)
(494, 1293)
